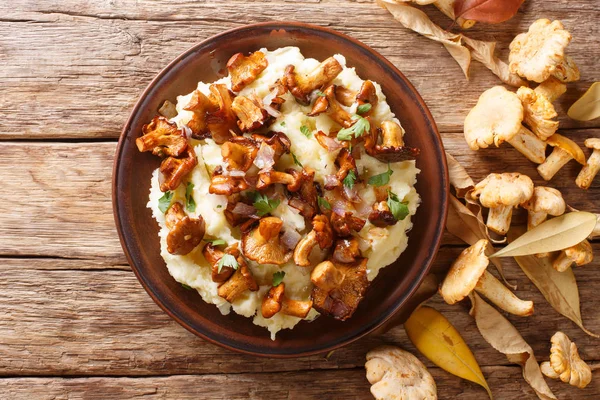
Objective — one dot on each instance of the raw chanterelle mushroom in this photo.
(580, 254)
(321, 234)
(565, 363)
(501, 193)
(540, 53)
(276, 301)
(263, 244)
(538, 112)
(397, 374)
(469, 272)
(497, 118)
(185, 233)
(301, 86)
(564, 151)
(591, 168)
(339, 287)
(545, 201)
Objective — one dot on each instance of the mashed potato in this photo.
(381, 246)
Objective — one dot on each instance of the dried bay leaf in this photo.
(552, 235)
(447, 7)
(587, 107)
(435, 337)
(459, 177)
(504, 337)
(490, 11)
(558, 288)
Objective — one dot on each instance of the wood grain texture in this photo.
(79, 319)
(88, 87)
(506, 384)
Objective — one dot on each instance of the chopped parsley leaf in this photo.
(305, 131)
(363, 108)
(298, 163)
(216, 242)
(323, 203)
(264, 205)
(350, 179)
(381, 179)
(278, 277)
(320, 94)
(227, 261)
(165, 202)
(282, 123)
(186, 287)
(190, 203)
(361, 126)
(398, 208)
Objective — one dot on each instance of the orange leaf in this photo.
(490, 11)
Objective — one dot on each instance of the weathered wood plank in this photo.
(86, 88)
(64, 317)
(506, 383)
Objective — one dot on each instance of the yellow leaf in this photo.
(588, 105)
(435, 337)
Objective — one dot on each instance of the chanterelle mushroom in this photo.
(213, 256)
(469, 272)
(339, 288)
(174, 169)
(564, 151)
(501, 193)
(200, 105)
(551, 89)
(539, 113)
(162, 138)
(591, 168)
(185, 233)
(226, 184)
(301, 86)
(497, 118)
(251, 115)
(263, 245)
(540, 52)
(239, 282)
(239, 153)
(329, 104)
(367, 95)
(320, 234)
(580, 254)
(244, 70)
(565, 363)
(391, 148)
(397, 374)
(545, 201)
(275, 301)
(223, 122)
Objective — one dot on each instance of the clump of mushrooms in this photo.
(501, 193)
(592, 167)
(565, 363)
(539, 53)
(497, 118)
(469, 272)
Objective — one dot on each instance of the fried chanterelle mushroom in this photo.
(162, 138)
(497, 118)
(469, 272)
(244, 70)
(301, 86)
(185, 233)
(396, 374)
(565, 363)
(540, 53)
(501, 193)
(263, 244)
(276, 301)
(321, 234)
(239, 282)
(592, 167)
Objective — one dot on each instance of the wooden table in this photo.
(75, 322)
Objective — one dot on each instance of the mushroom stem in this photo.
(535, 218)
(553, 163)
(551, 88)
(499, 219)
(589, 171)
(562, 262)
(501, 296)
(528, 144)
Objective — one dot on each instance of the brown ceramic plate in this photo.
(138, 231)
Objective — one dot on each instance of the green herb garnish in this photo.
(381, 179)
(398, 208)
(361, 126)
(320, 94)
(165, 202)
(298, 163)
(350, 179)
(305, 131)
(190, 203)
(186, 287)
(216, 242)
(363, 108)
(264, 205)
(227, 261)
(323, 203)
(278, 277)
(282, 123)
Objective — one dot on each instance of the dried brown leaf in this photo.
(552, 235)
(505, 338)
(559, 288)
(587, 107)
(490, 11)
(459, 177)
(447, 7)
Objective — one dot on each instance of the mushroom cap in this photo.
(569, 146)
(546, 199)
(581, 253)
(496, 118)
(397, 374)
(262, 244)
(506, 189)
(565, 363)
(592, 143)
(465, 273)
(536, 53)
(538, 112)
(185, 235)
